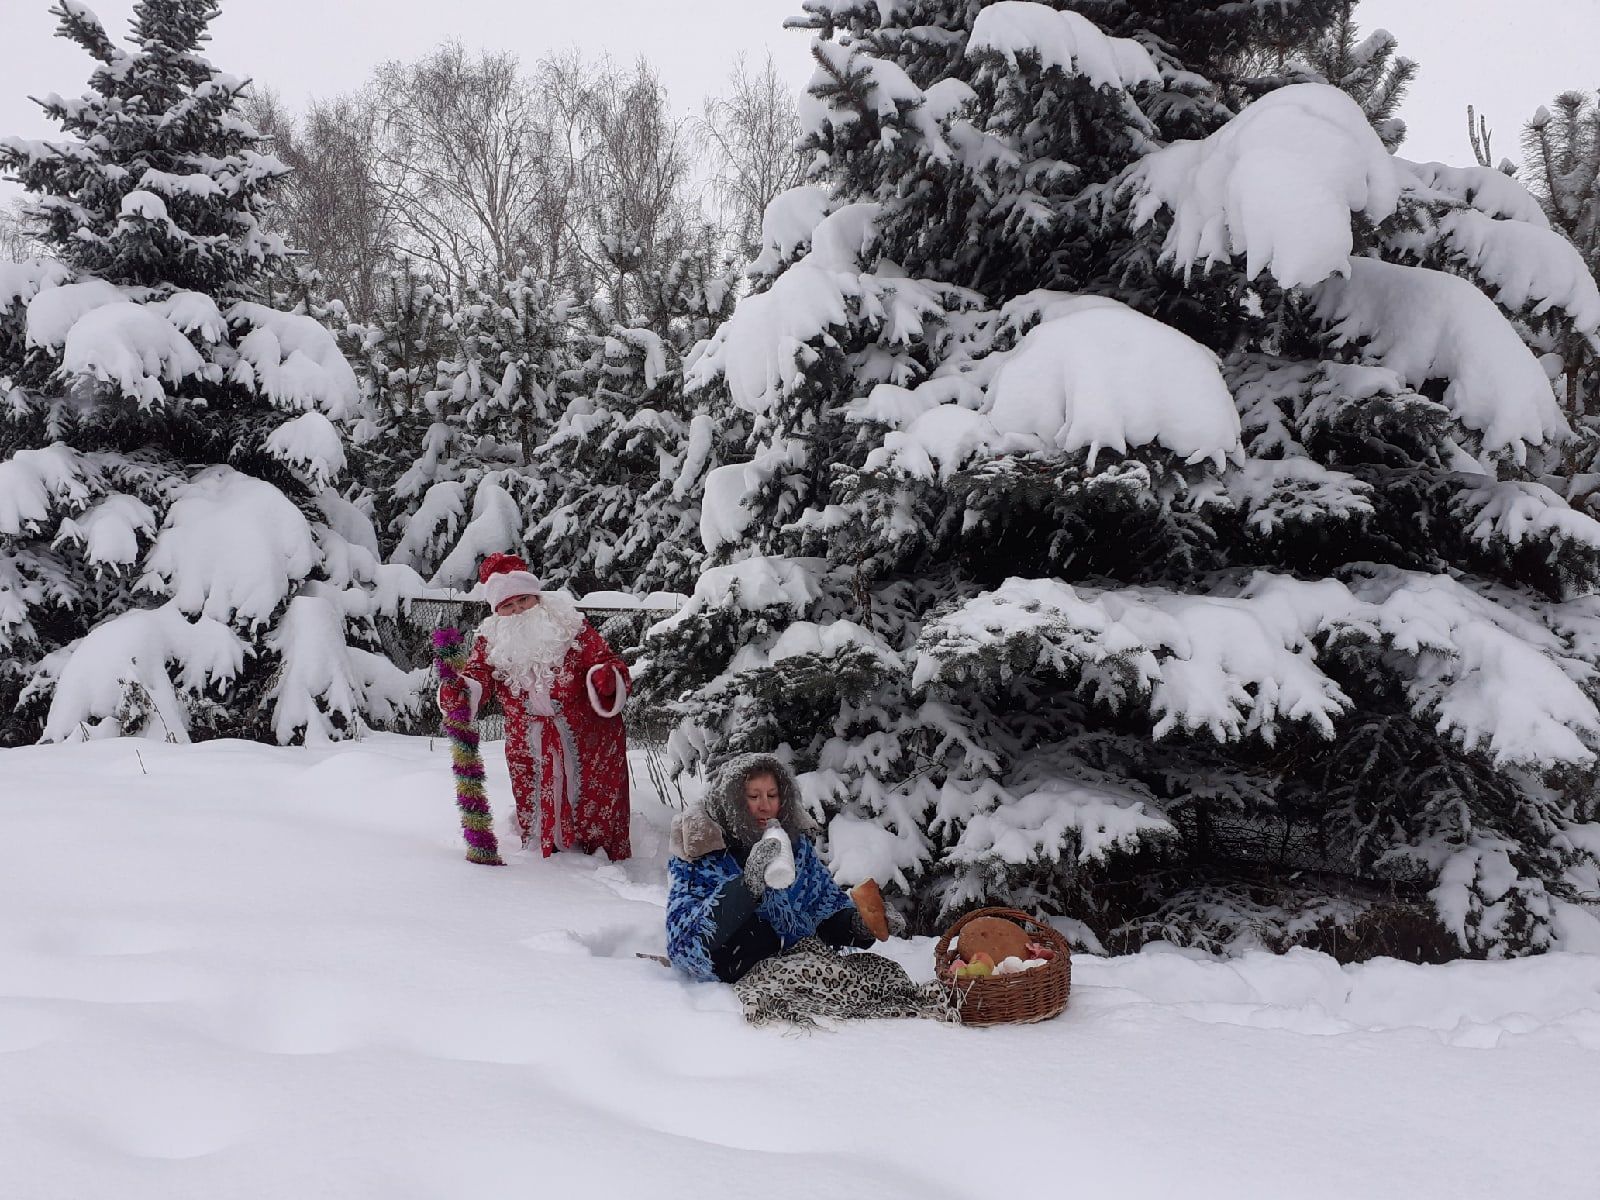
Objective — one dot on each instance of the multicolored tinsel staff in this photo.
(477, 822)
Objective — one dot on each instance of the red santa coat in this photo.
(569, 771)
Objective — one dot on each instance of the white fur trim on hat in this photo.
(505, 585)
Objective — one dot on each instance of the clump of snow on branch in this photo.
(787, 224)
(133, 346)
(32, 482)
(325, 685)
(893, 97)
(55, 310)
(231, 546)
(109, 532)
(1065, 41)
(762, 350)
(1491, 192)
(137, 651)
(1107, 377)
(294, 361)
(1527, 266)
(809, 639)
(495, 526)
(723, 515)
(20, 282)
(311, 446)
(1424, 325)
(1037, 823)
(1241, 665)
(1275, 186)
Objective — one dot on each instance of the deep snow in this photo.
(236, 971)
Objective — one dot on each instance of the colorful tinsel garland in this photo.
(477, 821)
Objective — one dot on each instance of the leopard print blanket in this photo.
(812, 980)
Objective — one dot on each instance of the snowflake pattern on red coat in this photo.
(569, 772)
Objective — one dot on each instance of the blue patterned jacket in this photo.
(708, 902)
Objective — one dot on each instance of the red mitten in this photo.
(451, 696)
(604, 687)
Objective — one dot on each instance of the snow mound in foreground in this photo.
(244, 971)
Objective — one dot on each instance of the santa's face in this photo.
(527, 645)
(513, 606)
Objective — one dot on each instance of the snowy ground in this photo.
(230, 971)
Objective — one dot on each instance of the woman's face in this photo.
(761, 797)
(513, 605)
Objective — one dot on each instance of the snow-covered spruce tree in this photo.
(1561, 163)
(396, 358)
(513, 361)
(1138, 516)
(175, 558)
(627, 459)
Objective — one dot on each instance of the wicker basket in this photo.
(1034, 995)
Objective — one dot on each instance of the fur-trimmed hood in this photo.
(722, 820)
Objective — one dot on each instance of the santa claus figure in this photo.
(562, 689)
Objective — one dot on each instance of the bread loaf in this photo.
(869, 903)
(997, 937)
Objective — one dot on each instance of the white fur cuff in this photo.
(600, 710)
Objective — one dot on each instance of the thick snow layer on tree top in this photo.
(242, 971)
(294, 361)
(135, 649)
(231, 547)
(1104, 377)
(1425, 325)
(1483, 188)
(133, 346)
(1065, 41)
(787, 224)
(1275, 186)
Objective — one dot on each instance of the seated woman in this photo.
(722, 918)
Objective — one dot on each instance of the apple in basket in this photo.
(981, 966)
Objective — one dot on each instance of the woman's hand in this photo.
(755, 867)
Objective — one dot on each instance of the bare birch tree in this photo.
(750, 138)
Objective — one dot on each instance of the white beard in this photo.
(526, 649)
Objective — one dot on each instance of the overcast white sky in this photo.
(1505, 56)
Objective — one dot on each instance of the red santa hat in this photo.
(504, 576)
